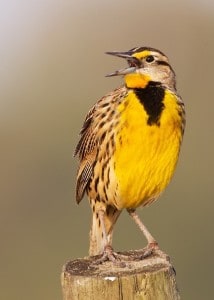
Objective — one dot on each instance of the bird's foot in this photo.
(153, 249)
(109, 255)
(123, 259)
(150, 249)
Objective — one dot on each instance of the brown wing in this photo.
(92, 133)
(86, 150)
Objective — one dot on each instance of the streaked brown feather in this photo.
(86, 150)
(92, 135)
(87, 140)
(85, 172)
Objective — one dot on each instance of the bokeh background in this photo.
(52, 70)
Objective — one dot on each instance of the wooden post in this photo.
(151, 278)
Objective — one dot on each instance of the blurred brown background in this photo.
(52, 68)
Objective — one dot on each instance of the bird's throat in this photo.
(136, 80)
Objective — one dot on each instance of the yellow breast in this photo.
(146, 155)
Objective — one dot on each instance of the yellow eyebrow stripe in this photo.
(142, 54)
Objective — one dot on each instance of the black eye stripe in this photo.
(164, 63)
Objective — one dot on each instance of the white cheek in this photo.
(143, 71)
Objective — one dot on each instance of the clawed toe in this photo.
(121, 260)
(150, 249)
(153, 248)
(109, 255)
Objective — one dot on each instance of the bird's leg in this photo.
(108, 252)
(152, 244)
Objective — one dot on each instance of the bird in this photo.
(129, 146)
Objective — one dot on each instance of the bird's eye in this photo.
(150, 58)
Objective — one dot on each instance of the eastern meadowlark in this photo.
(129, 145)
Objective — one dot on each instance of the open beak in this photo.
(120, 54)
(129, 58)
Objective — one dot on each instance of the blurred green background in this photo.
(52, 68)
